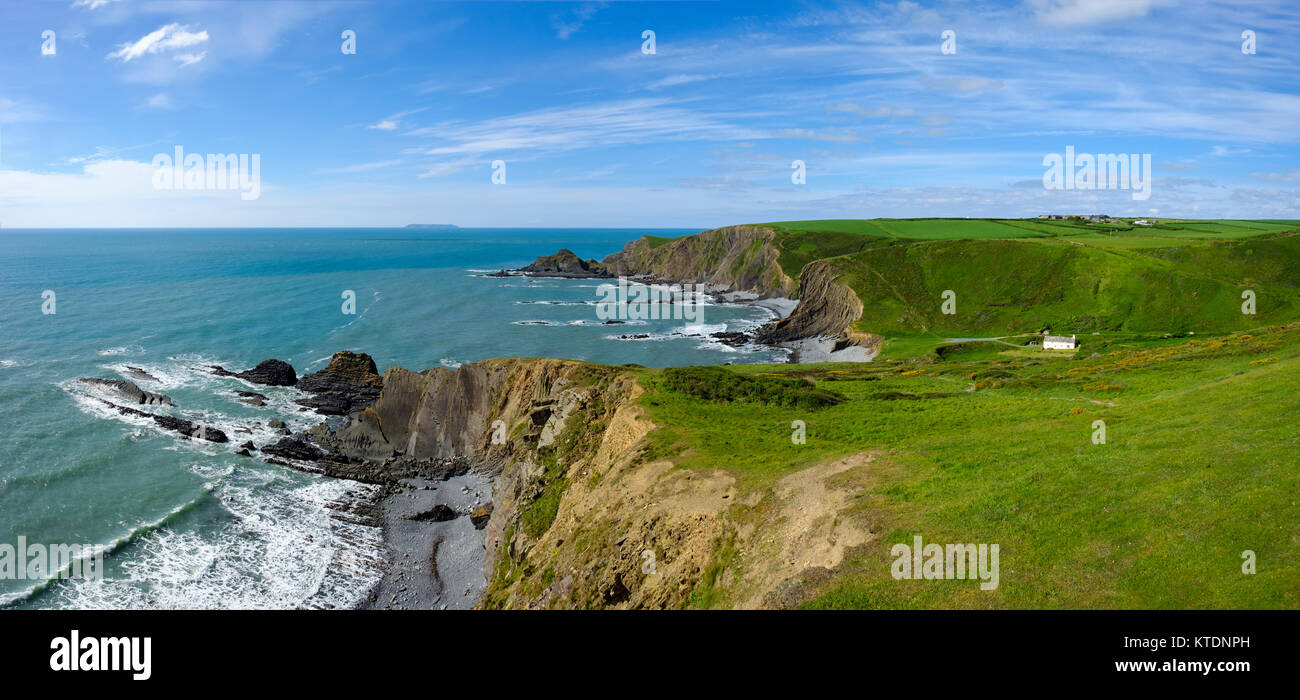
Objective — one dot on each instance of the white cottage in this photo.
(1059, 342)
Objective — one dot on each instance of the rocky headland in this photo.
(740, 264)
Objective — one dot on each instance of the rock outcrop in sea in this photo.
(185, 427)
(127, 390)
(565, 263)
(350, 382)
(270, 372)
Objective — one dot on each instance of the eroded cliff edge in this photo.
(585, 511)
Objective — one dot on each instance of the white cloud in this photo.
(188, 59)
(1226, 151)
(92, 4)
(566, 27)
(1064, 13)
(363, 167)
(392, 122)
(166, 38)
(582, 126)
(969, 83)
(680, 79)
(873, 112)
(160, 101)
(1292, 176)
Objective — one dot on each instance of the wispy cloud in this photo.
(570, 23)
(93, 4)
(599, 125)
(679, 79)
(1292, 176)
(873, 112)
(363, 167)
(392, 122)
(189, 59)
(160, 101)
(1066, 13)
(169, 37)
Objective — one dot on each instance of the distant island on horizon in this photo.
(433, 226)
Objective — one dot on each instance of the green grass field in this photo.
(989, 441)
(995, 445)
(1013, 276)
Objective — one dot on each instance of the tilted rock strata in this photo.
(734, 258)
(827, 309)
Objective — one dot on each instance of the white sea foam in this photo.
(281, 547)
(122, 350)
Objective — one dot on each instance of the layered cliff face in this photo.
(827, 309)
(564, 441)
(583, 514)
(737, 258)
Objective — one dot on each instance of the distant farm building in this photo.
(1095, 218)
(1059, 342)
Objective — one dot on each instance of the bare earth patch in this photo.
(807, 529)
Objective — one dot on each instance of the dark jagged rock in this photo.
(137, 373)
(350, 382)
(128, 391)
(439, 513)
(244, 452)
(271, 372)
(276, 424)
(390, 472)
(733, 339)
(249, 445)
(565, 264)
(252, 398)
(294, 447)
(179, 425)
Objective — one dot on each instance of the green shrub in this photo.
(720, 384)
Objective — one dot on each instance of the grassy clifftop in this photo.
(1198, 465)
(1013, 276)
(789, 485)
(1137, 472)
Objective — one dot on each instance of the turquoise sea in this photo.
(190, 524)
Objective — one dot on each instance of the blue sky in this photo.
(594, 132)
